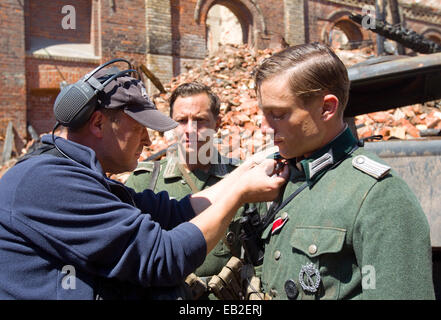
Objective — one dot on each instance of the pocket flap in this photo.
(314, 241)
(144, 167)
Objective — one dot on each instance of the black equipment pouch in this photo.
(250, 235)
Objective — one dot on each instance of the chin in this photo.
(285, 153)
(130, 167)
(288, 154)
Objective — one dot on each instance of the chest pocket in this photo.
(324, 247)
(315, 241)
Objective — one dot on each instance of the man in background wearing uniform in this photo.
(346, 227)
(193, 164)
(67, 231)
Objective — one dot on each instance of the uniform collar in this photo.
(316, 165)
(219, 168)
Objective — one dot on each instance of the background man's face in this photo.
(297, 127)
(196, 121)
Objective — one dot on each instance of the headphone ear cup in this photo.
(84, 114)
(74, 103)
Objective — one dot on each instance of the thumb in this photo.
(282, 176)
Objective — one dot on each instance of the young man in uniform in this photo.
(69, 232)
(346, 227)
(193, 164)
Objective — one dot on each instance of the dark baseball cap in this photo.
(130, 94)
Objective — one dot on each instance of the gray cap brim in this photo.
(151, 118)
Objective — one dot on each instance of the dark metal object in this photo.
(380, 8)
(418, 162)
(250, 235)
(393, 81)
(406, 37)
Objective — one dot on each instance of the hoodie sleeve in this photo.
(159, 205)
(67, 212)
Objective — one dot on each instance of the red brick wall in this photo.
(30, 84)
(44, 74)
(272, 12)
(276, 23)
(46, 16)
(123, 30)
(43, 81)
(12, 68)
(322, 15)
(188, 36)
(120, 32)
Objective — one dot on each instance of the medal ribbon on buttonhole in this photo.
(279, 222)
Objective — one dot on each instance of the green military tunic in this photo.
(348, 234)
(171, 179)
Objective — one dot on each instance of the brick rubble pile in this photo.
(229, 74)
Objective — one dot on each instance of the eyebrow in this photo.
(195, 115)
(272, 107)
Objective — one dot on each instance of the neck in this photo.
(88, 141)
(329, 136)
(193, 162)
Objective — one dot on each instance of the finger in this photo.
(284, 173)
(282, 176)
(268, 165)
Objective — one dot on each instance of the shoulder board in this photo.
(146, 166)
(171, 169)
(370, 167)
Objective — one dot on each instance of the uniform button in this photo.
(183, 182)
(284, 215)
(312, 249)
(291, 289)
(230, 237)
(277, 254)
(360, 160)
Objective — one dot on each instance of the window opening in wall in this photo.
(223, 27)
(435, 39)
(345, 35)
(61, 28)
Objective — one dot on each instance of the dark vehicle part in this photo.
(406, 37)
(388, 82)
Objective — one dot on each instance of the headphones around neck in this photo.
(76, 102)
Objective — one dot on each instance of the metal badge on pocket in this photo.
(306, 278)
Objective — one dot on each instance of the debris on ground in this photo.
(229, 74)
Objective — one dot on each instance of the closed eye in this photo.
(275, 115)
(278, 116)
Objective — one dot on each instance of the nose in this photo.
(190, 126)
(266, 127)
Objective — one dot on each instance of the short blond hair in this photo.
(314, 69)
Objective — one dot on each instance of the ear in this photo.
(96, 124)
(330, 107)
